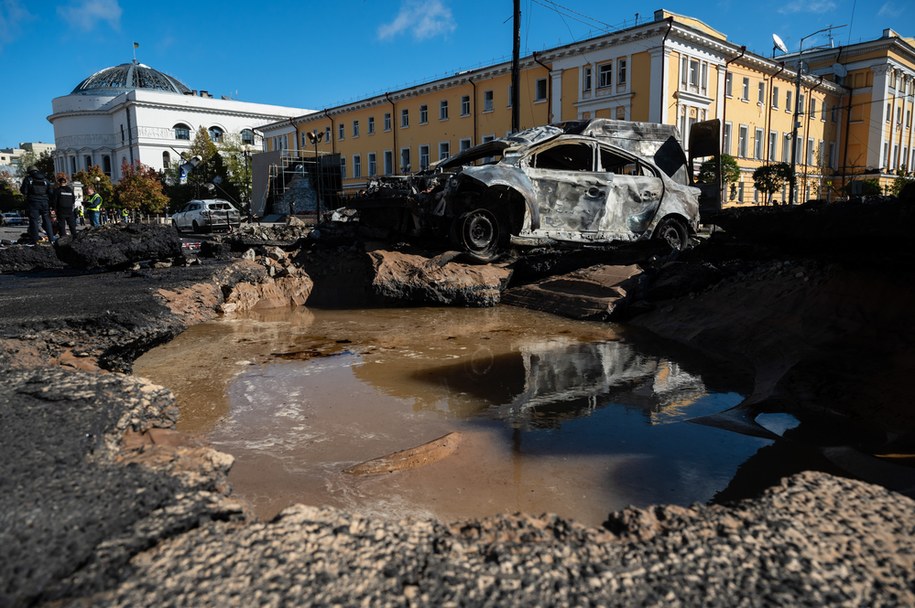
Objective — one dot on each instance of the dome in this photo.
(127, 77)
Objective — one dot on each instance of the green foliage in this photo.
(863, 187)
(899, 183)
(140, 189)
(238, 165)
(209, 179)
(771, 178)
(96, 178)
(730, 170)
(44, 162)
(10, 197)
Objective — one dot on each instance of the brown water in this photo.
(554, 415)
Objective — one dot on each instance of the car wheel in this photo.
(674, 232)
(479, 234)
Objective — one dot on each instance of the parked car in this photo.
(207, 216)
(11, 218)
(589, 182)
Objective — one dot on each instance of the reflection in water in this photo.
(555, 415)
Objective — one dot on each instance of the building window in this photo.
(487, 101)
(106, 165)
(745, 89)
(788, 98)
(357, 165)
(388, 162)
(773, 144)
(216, 134)
(810, 152)
(343, 167)
(355, 128)
(341, 131)
(444, 150)
(694, 76)
(742, 135)
(443, 110)
(801, 108)
(166, 160)
(87, 162)
(464, 145)
(182, 131)
(465, 105)
(786, 151)
(758, 145)
(621, 112)
(373, 168)
(604, 75)
(621, 73)
(405, 118)
(726, 139)
(371, 125)
(775, 97)
(540, 94)
(813, 107)
(586, 78)
(247, 137)
(761, 94)
(423, 157)
(405, 160)
(387, 121)
(728, 84)
(832, 156)
(423, 114)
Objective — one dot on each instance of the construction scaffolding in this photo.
(295, 182)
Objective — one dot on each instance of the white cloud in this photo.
(86, 14)
(12, 14)
(814, 6)
(422, 20)
(890, 11)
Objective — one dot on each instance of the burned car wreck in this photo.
(586, 183)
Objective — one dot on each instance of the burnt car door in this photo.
(570, 194)
(634, 193)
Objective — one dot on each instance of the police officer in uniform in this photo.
(64, 198)
(37, 190)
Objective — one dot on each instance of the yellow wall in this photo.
(641, 85)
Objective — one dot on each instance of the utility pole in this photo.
(516, 52)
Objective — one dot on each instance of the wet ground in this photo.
(553, 415)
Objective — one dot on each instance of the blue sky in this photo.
(317, 54)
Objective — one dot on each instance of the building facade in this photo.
(133, 113)
(852, 120)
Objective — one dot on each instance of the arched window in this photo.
(216, 134)
(166, 160)
(182, 131)
(247, 137)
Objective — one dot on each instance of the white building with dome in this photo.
(134, 113)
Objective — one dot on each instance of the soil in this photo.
(101, 506)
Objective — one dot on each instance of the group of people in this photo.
(42, 196)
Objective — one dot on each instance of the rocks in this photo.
(413, 279)
(24, 258)
(115, 246)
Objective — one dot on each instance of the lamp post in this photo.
(795, 123)
(315, 138)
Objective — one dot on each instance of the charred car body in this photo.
(594, 182)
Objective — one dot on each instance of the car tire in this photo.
(674, 232)
(479, 233)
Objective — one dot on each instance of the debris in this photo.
(411, 458)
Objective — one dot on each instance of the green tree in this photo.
(771, 178)
(96, 178)
(140, 189)
(730, 171)
(902, 179)
(44, 162)
(10, 197)
(235, 158)
(863, 187)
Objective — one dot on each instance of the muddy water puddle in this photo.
(551, 415)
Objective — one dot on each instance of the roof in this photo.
(127, 77)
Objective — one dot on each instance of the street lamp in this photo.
(795, 123)
(315, 138)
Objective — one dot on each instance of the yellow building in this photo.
(675, 70)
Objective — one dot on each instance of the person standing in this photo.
(37, 190)
(64, 198)
(93, 206)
